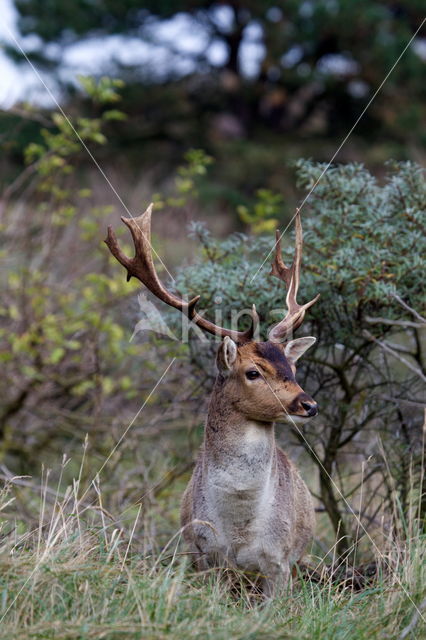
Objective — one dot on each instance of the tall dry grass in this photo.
(70, 568)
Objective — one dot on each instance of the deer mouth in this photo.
(294, 418)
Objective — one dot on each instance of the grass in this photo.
(81, 591)
(80, 573)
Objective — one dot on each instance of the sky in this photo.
(15, 82)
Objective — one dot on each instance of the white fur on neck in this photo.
(256, 433)
(241, 486)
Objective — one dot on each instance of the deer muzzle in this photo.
(303, 405)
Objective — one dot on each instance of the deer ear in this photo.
(296, 348)
(226, 355)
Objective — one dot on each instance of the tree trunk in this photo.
(331, 506)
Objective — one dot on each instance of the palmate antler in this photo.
(142, 267)
(291, 276)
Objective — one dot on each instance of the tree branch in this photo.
(389, 350)
(408, 308)
(394, 323)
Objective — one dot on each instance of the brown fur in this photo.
(246, 505)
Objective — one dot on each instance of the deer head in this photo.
(258, 378)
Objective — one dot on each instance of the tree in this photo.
(314, 65)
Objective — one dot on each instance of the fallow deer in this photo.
(246, 505)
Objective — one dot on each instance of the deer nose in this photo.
(311, 408)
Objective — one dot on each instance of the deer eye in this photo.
(252, 374)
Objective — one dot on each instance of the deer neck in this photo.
(240, 453)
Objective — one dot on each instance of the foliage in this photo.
(196, 162)
(354, 276)
(369, 239)
(63, 355)
(104, 91)
(363, 253)
(263, 216)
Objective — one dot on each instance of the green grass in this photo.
(79, 592)
(69, 569)
(80, 584)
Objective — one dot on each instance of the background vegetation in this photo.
(99, 427)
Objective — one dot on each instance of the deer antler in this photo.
(291, 276)
(142, 267)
